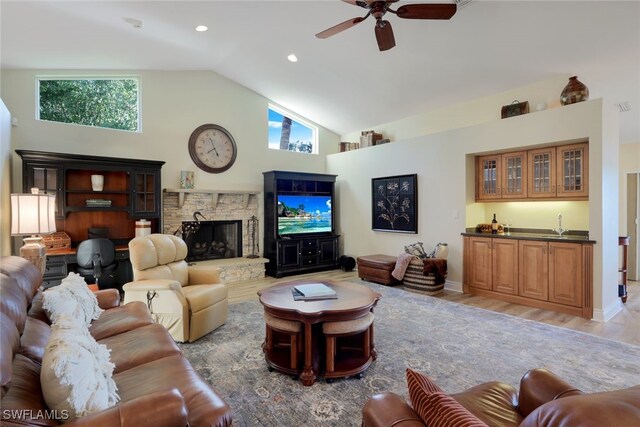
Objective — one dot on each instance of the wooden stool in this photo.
(289, 327)
(333, 330)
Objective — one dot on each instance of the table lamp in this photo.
(33, 214)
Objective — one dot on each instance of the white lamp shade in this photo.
(32, 214)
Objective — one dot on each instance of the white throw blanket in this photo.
(401, 265)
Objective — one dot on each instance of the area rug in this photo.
(457, 345)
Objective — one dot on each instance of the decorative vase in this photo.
(143, 228)
(574, 91)
(442, 251)
(97, 182)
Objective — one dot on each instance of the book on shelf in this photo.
(369, 138)
(348, 146)
(98, 203)
(313, 291)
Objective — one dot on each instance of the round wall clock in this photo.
(212, 148)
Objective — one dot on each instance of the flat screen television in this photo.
(302, 214)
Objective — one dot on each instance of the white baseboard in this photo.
(607, 314)
(453, 286)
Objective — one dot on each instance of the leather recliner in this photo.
(544, 400)
(190, 301)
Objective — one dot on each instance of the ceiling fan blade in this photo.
(384, 35)
(427, 11)
(340, 27)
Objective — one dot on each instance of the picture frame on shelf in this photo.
(394, 204)
(187, 180)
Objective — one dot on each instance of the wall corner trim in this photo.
(608, 313)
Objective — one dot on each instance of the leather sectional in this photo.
(157, 385)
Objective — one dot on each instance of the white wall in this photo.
(629, 163)
(445, 170)
(481, 110)
(5, 173)
(173, 104)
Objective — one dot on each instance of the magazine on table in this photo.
(313, 291)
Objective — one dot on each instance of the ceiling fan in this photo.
(383, 30)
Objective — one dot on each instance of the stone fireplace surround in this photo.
(179, 205)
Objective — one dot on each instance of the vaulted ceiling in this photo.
(343, 83)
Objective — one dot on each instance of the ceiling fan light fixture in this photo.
(201, 28)
(292, 58)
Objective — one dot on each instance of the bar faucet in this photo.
(559, 230)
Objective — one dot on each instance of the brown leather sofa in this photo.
(544, 400)
(157, 385)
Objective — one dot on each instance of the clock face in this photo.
(212, 148)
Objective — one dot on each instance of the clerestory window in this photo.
(291, 133)
(105, 102)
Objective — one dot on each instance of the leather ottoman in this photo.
(377, 268)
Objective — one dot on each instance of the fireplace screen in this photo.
(212, 239)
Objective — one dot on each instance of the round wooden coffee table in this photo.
(353, 301)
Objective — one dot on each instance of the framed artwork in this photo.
(186, 179)
(395, 204)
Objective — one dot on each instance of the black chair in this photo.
(96, 258)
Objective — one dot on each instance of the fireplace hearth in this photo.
(212, 239)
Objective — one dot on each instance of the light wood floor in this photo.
(624, 327)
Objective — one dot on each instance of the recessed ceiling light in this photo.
(202, 28)
(292, 58)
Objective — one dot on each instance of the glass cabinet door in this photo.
(541, 172)
(572, 171)
(489, 177)
(514, 175)
(144, 194)
(48, 180)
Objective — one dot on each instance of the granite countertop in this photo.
(535, 234)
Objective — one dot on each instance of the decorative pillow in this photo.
(72, 297)
(416, 249)
(57, 302)
(434, 406)
(76, 371)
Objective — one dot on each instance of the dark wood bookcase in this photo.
(133, 187)
(297, 253)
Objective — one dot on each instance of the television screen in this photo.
(304, 214)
